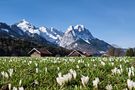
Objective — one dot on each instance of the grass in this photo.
(44, 71)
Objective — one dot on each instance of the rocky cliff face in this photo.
(80, 38)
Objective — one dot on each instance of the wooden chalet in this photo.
(76, 53)
(39, 52)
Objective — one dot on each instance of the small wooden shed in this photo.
(39, 52)
(76, 53)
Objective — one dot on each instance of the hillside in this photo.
(20, 47)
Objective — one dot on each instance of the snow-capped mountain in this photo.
(74, 33)
(5, 30)
(75, 37)
(50, 34)
(14, 32)
(68, 38)
(78, 37)
(25, 26)
(83, 33)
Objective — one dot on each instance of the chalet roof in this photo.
(40, 51)
(75, 53)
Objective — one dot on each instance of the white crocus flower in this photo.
(36, 82)
(58, 68)
(73, 72)
(95, 65)
(116, 71)
(67, 77)
(112, 63)
(60, 80)
(20, 82)
(129, 73)
(14, 88)
(102, 63)
(59, 74)
(130, 84)
(20, 88)
(37, 70)
(125, 89)
(4, 74)
(95, 82)
(109, 87)
(132, 68)
(46, 69)
(30, 62)
(85, 80)
(9, 86)
(88, 64)
(10, 71)
(77, 66)
(36, 64)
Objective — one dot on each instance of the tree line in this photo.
(121, 52)
(21, 47)
(130, 52)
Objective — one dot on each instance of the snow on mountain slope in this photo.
(74, 33)
(50, 34)
(27, 27)
(6, 30)
(83, 33)
(69, 37)
(83, 46)
(79, 38)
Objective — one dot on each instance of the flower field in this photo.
(67, 73)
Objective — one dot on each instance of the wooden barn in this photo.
(39, 52)
(76, 53)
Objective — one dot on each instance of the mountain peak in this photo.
(53, 29)
(24, 21)
(74, 33)
(79, 27)
(25, 26)
(70, 28)
(80, 31)
(43, 29)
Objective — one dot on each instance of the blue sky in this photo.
(110, 20)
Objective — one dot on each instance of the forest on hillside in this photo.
(21, 47)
